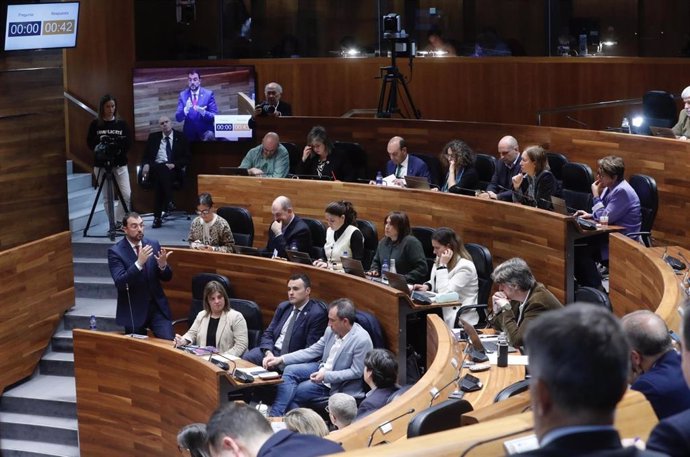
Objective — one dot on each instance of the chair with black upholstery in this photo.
(577, 186)
(556, 162)
(594, 296)
(252, 314)
(646, 190)
(424, 234)
(371, 241)
(295, 156)
(483, 262)
(444, 416)
(372, 326)
(199, 282)
(241, 224)
(659, 110)
(513, 389)
(485, 166)
(434, 166)
(358, 158)
(318, 237)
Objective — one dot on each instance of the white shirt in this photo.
(162, 155)
(279, 342)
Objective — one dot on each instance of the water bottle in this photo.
(502, 360)
(625, 125)
(384, 272)
(379, 178)
(392, 267)
(92, 322)
(345, 254)
(583, 44)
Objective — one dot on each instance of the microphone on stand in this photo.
(385, 426)
(236, 374)
(131, 316)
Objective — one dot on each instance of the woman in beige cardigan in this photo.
(217, 325)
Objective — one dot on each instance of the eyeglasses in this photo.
(204, 212)
(327, 409)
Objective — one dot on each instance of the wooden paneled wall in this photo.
(663, 159)
(508, 230)
(32, 147)
(37, 288)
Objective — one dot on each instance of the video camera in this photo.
(107, 150)
(267, 108)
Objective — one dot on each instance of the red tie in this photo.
(194, 99)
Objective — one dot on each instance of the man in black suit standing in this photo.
(288, 230)
(579, 360)
(166, 156)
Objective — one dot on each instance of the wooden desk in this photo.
(543, 238)
(134, 395)
(634, 418)
(640, 279)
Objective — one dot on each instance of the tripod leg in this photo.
(392, 106)
(95, 202)
(415, 112)
(382, 97)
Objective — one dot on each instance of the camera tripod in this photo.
(109, 178)
(389, 85)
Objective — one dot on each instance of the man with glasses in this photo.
(165, 158)
(269, 160)
(273, 105)
(137, 266)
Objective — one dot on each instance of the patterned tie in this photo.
(288, 332)
(168, 148)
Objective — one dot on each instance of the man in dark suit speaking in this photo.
(138, 265)
(166, 155)
(297, 323)
(196, 106)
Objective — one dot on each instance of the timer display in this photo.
(41, 25)
(58, 27)
(16, 29)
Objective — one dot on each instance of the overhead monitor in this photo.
(41, 26)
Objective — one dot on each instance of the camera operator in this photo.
(273, 106)
(110, 138)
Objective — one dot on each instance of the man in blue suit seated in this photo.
(672, 435)
(297, 323)
(237, 429)
(196, 106)
(341, 351)
(579, 360)
(138, 265)
(288, 231)
(656, 367)
(507, 166)
(403, 164)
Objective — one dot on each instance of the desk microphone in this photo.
(384, 424)
(235, 373)
(131, 316)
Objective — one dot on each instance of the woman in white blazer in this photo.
(217, 325)
(453, 271)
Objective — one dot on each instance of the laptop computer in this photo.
(247, 250)
(561, 207)
(663, 132)
(299, 257)
(417, 182)
(233, 171)
(353, 267)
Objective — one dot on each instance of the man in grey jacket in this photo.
(340, 351)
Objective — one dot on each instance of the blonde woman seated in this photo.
(305, 421)
(343, 238)
(453, 271)
(209, 231)
(217, 325)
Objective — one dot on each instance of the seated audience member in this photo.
(453, 271)
(237, 429)
(579, 361)
(209, 231)
(656, 366)
(193, 439)
(268, 160)
(520, 299)
(342, 409)
(403, 164)
(461, 176)
(319, 158)
(615, 198)
(398, 244)
(507, 166)
(288, 230)
(341, 351)
(273, 105)
(438, 44)
(536, 184)
(305, 421)
(671, 436)
(166, 155)
(682, 127)
(217, 325)
(381, 375)
(297, 323)
(343, 238)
